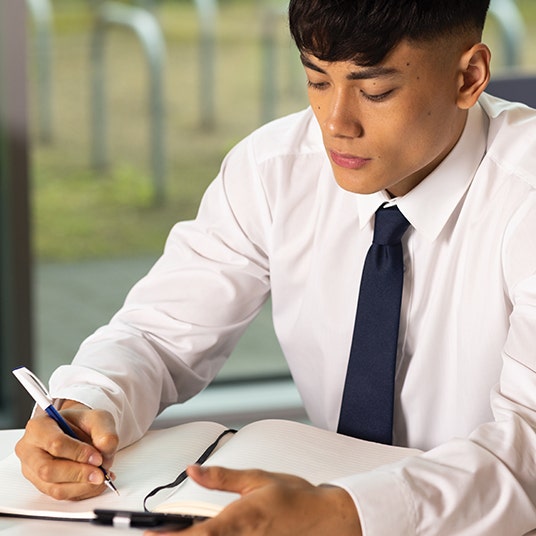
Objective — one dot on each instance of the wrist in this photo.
(343, 509)
(59, 404)
(69, 404)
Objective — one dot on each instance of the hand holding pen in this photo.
(63, 468)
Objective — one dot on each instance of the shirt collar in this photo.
(431, 203)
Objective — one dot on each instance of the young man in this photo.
(397, 116)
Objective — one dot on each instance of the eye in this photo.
(377, 98)
(319, 86)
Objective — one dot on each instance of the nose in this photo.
(342, 117)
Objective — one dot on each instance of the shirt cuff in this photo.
(382, 501)
(89, 387)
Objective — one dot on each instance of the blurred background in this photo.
(121, 113)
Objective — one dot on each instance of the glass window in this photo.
(133, 106)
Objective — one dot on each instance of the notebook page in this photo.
(288, 447)
(154, 460)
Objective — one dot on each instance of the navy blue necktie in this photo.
(367, 404)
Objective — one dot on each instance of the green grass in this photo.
(79, 213)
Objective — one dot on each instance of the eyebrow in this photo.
(375, 71)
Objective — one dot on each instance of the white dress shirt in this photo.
(275, 221)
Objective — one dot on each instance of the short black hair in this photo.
(366, 31)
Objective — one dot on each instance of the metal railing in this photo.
(510, 22)
(146, 28)
(41, 14)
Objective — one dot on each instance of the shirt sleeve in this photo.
(484, 484)
(181, 321)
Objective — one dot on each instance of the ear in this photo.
(474, 75)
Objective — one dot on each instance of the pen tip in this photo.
(111, 485)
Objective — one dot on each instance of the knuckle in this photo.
(77, 474)
(81, 476)
(222, 475)
(55, 446)
(20, 449)
(114, 440)
(219, 472)
(82, 452)
(258, 475)
(58, 492)
(63, 447)
(108, 442)
(44, 472)
(50, 474)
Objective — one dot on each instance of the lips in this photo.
(348, 161)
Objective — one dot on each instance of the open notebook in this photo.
(274, 445)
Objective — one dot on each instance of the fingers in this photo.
(63, 467)
(64, 480)
(97, 428)
(229, 479)
(274, 504)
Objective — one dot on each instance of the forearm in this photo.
(126, 379)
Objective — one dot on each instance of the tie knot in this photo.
(390, 226)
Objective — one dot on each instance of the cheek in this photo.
(418, 136)
(315, 101)
(437, 127)
(394, 138)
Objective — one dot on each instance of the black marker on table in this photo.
(39, 393)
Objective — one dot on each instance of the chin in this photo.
(358, 186)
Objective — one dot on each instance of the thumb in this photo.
(224, 479)
(98, 427)
(103, 431)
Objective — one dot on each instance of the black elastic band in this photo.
(182, 477)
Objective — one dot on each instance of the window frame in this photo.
(15, 258)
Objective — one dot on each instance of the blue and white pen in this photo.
(39, 393)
